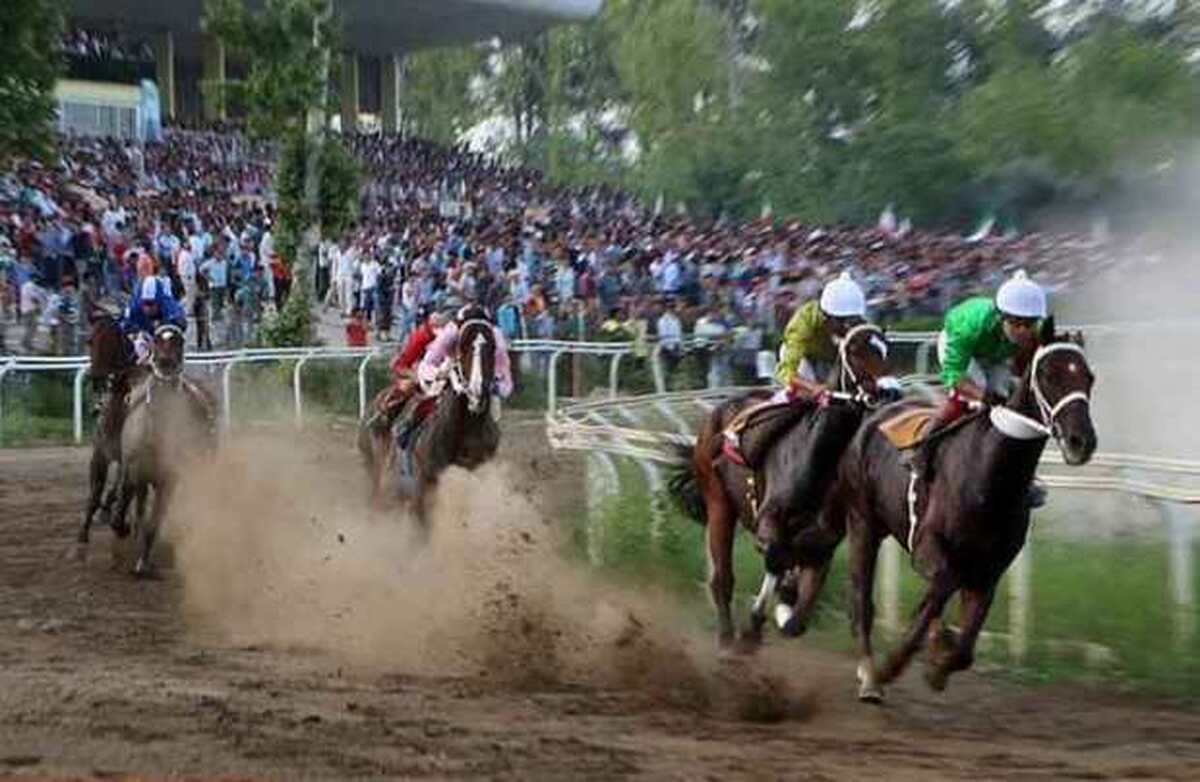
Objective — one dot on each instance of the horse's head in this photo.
(107, 353)
(1060, 382)
(166, 357)
(476, 358)
(863, 365)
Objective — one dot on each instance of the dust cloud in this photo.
(275, 546)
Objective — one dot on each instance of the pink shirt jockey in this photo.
(441, 350)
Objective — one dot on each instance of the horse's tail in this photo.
(683, 484)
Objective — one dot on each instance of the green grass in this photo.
(1098, 611)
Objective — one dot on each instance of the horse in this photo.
(794, 476)
(459, 429)
(161, 429)
(966, 522)
(113, 373)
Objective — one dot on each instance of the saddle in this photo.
(906, 428)
(759, 426)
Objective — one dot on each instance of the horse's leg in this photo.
(97, 478)
(125, 493)
(942, 586)
(864, 550)
(718, 533)
(960, 656)
(148, 525)
(813, 549)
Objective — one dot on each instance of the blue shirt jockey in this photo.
(152, 307)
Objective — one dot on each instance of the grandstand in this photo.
(377, 34)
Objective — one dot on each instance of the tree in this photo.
(30, 36)
(287, 47)
(437, 102)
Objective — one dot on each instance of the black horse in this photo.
(968, 522)
(459, 430)
(793, 481)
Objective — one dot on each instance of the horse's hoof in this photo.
(750, 640)
(793, 628)
(937, 678)
(870, 694)
(869, 690)
(726, 640)
(120, 530)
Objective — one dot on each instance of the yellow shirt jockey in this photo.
(809, 350)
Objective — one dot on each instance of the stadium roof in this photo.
(371, 26)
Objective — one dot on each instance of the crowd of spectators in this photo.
(442, 225)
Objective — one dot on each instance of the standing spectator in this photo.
(356, 330)
(200, 313)
(33, 300)
(215, 270)
(670, 335)
(281, 281)
(369, 271)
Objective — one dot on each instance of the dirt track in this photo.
(103, 675)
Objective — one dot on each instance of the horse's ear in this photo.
(1078, 339)
(1046, 336)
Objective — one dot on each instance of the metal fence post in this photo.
(552, 389)
(4, 369)
(923, 351)
(362, 384)
(227, 390)
(660, 383)
(298, 394)
(78, 403)
(612, 375)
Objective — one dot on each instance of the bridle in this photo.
(846, 372)
(171, 332)
(1023, 427)
(469, 385)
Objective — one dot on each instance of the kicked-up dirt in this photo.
(293, 632)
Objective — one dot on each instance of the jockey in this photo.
(440, 354)
(156, 307)
(439, 357)
(809, 351)
(153, 306)
(979, 339)
(404, 366)
(810, 339)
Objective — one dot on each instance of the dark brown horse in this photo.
(791, 484)
(965, 527)
(459, 429)
(113, 373)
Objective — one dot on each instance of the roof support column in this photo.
(392, 67)
(164, 66)
(349, 92)
(212, 88)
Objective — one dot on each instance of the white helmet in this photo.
(1021, 297)
(842, 298)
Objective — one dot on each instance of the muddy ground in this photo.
(294, 634)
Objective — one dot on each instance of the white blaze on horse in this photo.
(462, 379)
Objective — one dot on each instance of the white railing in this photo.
(587, 426)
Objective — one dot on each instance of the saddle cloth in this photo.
(907, 427)
(760, 425)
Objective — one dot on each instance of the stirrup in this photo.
(1035, 495)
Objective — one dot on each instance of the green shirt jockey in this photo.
(978, 341)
